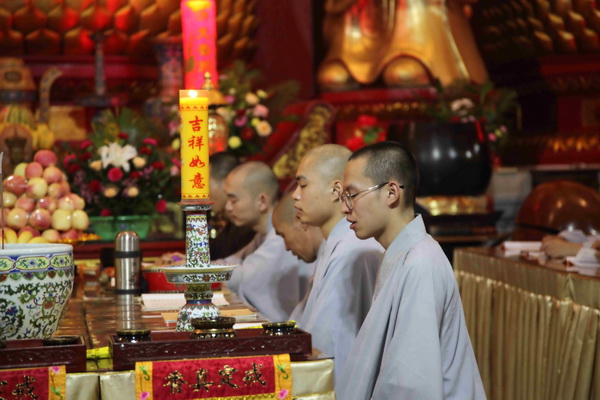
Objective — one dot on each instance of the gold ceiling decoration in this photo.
(62, 27)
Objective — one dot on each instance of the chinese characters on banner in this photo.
(258, 377)
(199, 34)
(193, 106)
(45, 383)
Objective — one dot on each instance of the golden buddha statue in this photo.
(405, 42)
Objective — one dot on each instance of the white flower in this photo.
(462, 106)
(139, 162)
(263, 128)
(117, 156)
(251, 98)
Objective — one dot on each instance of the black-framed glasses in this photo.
(349, 199)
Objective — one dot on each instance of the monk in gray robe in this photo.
(346, 268)
(414, 342)
(302, 240)
(268, 278)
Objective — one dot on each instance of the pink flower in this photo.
(158, 165)
(123, 136)
(240, 121)
(95, 186)
(161, 206)
(144, 395)
(260, 111)
(283, 393)
(67, 160)
(492, 137)
(56, 370)
(134, 175)
(150, 141)
(105, 212)
(85, 144)
(115, 174)
(85, 156)
(229, 98)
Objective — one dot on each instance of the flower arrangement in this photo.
(119, 170)
(464, 102)
(251, 113)
(367, 131)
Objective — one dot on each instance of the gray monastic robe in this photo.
(342, 291)
(269, 277)
(414, 343)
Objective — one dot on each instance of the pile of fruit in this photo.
(38, 204)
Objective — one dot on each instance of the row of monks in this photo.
(344, 255)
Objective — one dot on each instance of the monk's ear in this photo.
(337, 190)
(263, 202)
(395, 194)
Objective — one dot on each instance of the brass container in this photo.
(279, 328)
(212, 328)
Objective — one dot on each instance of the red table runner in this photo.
(255, 377)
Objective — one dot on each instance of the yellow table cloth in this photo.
(534, 329)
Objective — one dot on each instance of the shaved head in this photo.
(302, 240)
(284, 212)
(257, 177)
(328, 160)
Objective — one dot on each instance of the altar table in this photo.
(534, 328)
(96, 315)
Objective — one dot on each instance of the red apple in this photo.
(20, 169)
(37, 188)
(34, 232)
(52, 174)
(48, 203)
(66, 203)
(52, 235)
(80, 220)
(61, 220)
(17, 218)
(56, 190)
(72, 234)
(66, 186)
(78, 201)
(40, 218)
(9, 199)
(34, 170)
(26, 203)
(45, 157)
(15, 184)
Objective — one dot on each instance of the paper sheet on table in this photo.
(586, 258)
(516, 247)
(173, 301)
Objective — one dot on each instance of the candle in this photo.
(199, 36)
(193, 107)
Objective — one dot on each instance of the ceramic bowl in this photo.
(36, 281)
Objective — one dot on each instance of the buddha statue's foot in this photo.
(333, 75)
(406, 71)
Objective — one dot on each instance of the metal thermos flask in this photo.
(127, 263)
